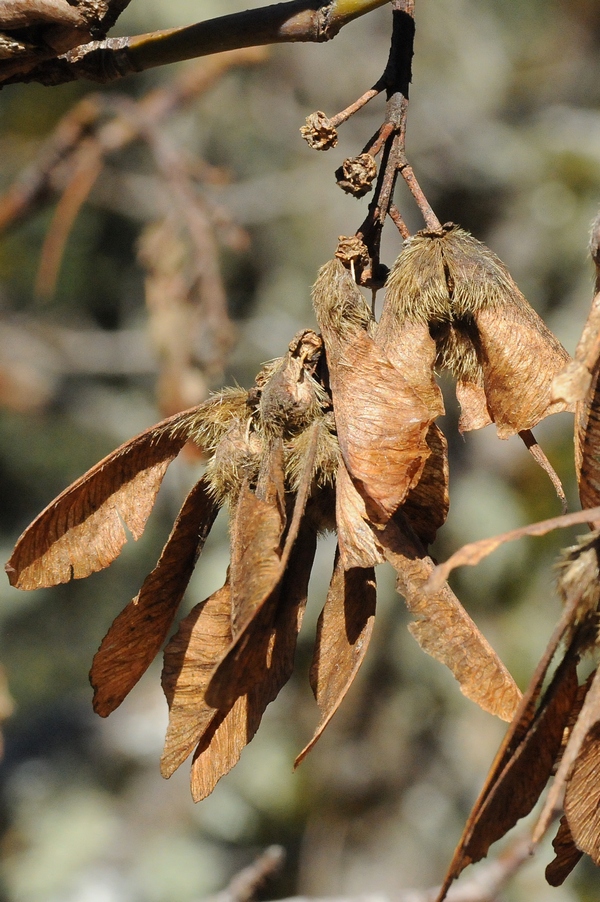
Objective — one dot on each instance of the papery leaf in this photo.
(582, 796)
(444, 629)
(190, 658)
(381, 424)
(474, 413)
(357, 541)
(258, 565)
(520, 357)
(520, 772)
(137, 634)
(474, 552)
(573, 382)
(234, 726)
(411, 349)
(381, 421)
(83, 530)
(567, 855)
(256, 542)
(587, 446)
(426, 505)
(523, 719)
(343, 635)
(579, 814)
(486, 333)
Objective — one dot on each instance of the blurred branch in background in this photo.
(189, 325)
(485, 886)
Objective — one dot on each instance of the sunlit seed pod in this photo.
(497, 347)
(355, 175)
(318, 133)
(339, 305)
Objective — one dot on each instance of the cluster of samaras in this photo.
(338, 434)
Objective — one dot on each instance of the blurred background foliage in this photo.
(504, 135)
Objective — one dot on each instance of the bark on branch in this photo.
(110, 59)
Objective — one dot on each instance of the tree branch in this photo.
(292, 21)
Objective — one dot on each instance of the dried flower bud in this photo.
(355, 175)
(352, 250)
(318, 133)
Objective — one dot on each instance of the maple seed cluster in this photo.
(340, 434)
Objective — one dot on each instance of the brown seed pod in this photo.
(501, 353)
(382, 423)
(355, 175)
(318, 133)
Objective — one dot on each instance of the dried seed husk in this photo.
(567, 855)
(234, 726)
(83, 529)
(443, 628)
(137, 634)
(486, 333)
(381, 421)
(343, 634)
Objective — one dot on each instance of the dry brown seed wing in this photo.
(522, 721)
(411, 349)
(357, 541)
(474, 413)
(580, 817)
(190, 658)
(520, 357)
(518, 786)
(582, 796)
(567, 855)
(138, 632)
(470, 555)
(444, 629)
(381, 421)
(83, 530)
(235, 725)
(256, 542)
(343, 635)
(236, 672)
(587, 445)
(426, 505)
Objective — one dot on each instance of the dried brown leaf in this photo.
(471, 554)
(444, 629)
(343, 635)
(520, 772)
(190, 658)
(473, 402)
(258, 566)
(580, 817)
(522, 722)
(256, 542)
(234, 726)
(485, 331)
(381, 421)
(358, 543)
(520, 357)
(567, 855)
(587, 446)
(582, 796)
(426, 505)
(410, 348)
(137, 634)
(83, 530)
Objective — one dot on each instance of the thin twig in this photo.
(530, 442)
